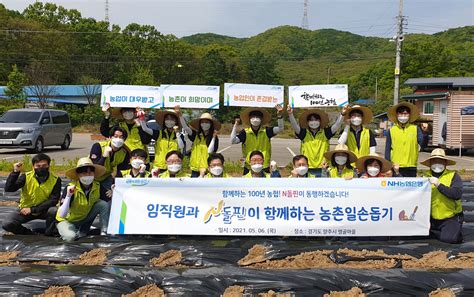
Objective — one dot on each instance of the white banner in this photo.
(205, 97)
(318, 96)
(273, 207)
(253, 95)
(131, 96)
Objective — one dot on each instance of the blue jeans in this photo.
(70, 231)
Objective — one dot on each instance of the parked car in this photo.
(35, 129)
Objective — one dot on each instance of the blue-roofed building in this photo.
(364, 102)
(72, 94)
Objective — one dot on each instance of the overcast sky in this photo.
(244, 18)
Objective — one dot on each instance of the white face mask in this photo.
(340, 160)
(302, 170)
(174, 168)
(314, 124)
(128, 115)
(137, 163)
(170, 123)
(217, 170)
(117, 142)
(205, 126)
(86, 180)
(255, 122)
(356, 121)
(257, 168)
(437, 168)
(373, 171)
(403, 119)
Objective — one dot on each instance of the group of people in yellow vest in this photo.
(125, 154)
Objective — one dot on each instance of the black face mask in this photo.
(42, 172)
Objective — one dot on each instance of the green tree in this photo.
(143, 76)
(214, 68)
(261, 69)
(15, 85)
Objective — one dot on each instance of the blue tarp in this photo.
(468, 110)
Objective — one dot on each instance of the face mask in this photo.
(356, 121)
(314, 124)
(255, 122)
(205, 126)
(42, 172)
(302, 170)
(128, 115)
(216, 171)
(117, 142)
(340, 160)
(403, 119)
(373, 171)
(86, 180)
(174, 168)
(137, 163)
(257, 168)
(170, 123)
(437, 168)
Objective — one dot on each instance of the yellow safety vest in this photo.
(259, 142)
(209, 175)
(314, 147)
(80, 205)
(199, 153)
(33, 193)
(346, 172)
(364, 149)
(164, 144)
(128, 174)
(119, 157)
(166, 174)
(309, 175)
(133, 140)
(441, 206)
(404, 151)
(249, 175)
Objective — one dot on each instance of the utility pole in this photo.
(376, 88)
(107, 11)
(304, 23)
(399, 39)
(329, 74)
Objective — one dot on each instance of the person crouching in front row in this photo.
(138, 159)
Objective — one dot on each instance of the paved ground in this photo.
(282, 151)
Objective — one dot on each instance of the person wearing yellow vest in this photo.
(40, 192)
(81, 201)
(132, 121)
(257, 160)
(256, 137)
(112, 155)
(300, 167)
(138, 167)
(167, 139)
(313, 131)
(404, 138)
(203, 135)
(359, 139)
(174, 162)
(373, 166)
(341, 159)
(446, 192)
(215, 163)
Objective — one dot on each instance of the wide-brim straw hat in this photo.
(341, 148)
(85, 162)
(116, 112)
(245, 115)
(414, 112)
(438, 154)
(367, 114)
(160, 117)
(195, 124)
(386, 165)
(322, 115)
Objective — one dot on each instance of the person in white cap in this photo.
(257, 137)
(203, 135)
(446, 192)
(82, 201)
(404, 139)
